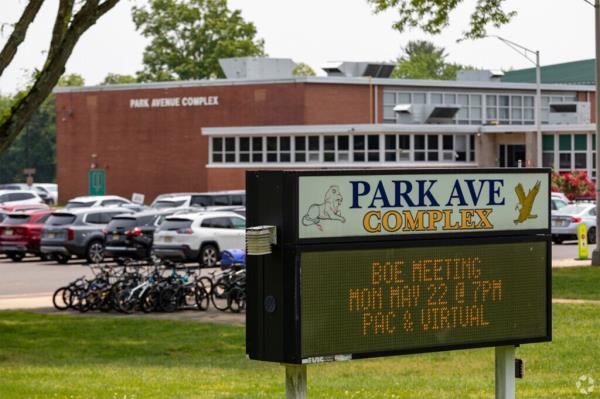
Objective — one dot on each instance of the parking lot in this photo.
(32, 278)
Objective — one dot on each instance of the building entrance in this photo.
(511, 154)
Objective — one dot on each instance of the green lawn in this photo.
(59, 356)
(576, 282)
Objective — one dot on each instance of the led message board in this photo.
(413, 299)
(382, 262)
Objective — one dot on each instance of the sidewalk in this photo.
(570, 262)
(26, 301)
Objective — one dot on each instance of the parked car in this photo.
(200, 200)
(565, 222)
(13, 197)
(42, 192)
(51, 188)
(3, 214)
(560, 196)
(102, 200)
(556, 204)
(78, 232)
(199, 236)
(131, 236)
(23, 207)
(20, 233)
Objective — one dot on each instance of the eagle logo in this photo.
(526, 202)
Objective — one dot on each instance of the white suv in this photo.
(12, 197)
(97, 200)
(199, 236)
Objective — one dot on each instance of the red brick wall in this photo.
(158, 150)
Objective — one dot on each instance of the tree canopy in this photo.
(35, 147)
(432, 16)
(303, 69)
(73, 18)
(422, 59)
(115, 78)
(187, 38)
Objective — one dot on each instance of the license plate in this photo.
(168, 239)
(116, 237)
(8, 232)
(51, 235)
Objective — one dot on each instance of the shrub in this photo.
(574, 185)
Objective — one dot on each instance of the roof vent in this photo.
(359, 69)
(479, 75)
(257, 67)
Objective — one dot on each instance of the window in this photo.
(366, 148)
(548, 150)
(257, 148)
(217, 223)
(95, 218)
(426, 147)
(300, 142)
(217, 149)
(238, 223)
(113, 202)
(314, 148)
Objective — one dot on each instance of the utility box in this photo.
(570, 113)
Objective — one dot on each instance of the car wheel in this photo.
(15, 256)
(557, 240)
(209, 255)
(591, 235)
(63, 259)
(95, 252)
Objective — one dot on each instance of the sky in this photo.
(315, 32)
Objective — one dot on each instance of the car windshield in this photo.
(16, 219)
(60, 219)
(573, 209)
(163, 204)
(79, 204)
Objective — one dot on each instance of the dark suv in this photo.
(131, 236)
(78, 232)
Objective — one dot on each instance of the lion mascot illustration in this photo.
(329, 209)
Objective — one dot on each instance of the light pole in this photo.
(524, 51)
(596, 252)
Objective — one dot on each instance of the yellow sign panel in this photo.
(582, 242)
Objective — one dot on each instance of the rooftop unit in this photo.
(359, 69)
(257, 67)
(479, 75)
(569, 113)
(419, 114)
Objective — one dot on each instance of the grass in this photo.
(576, 282)
(60, 356)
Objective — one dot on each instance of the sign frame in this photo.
(273, 329)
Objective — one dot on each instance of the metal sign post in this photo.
(505, 372)
(295, 381)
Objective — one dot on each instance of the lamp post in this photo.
(524, 51)
(596, 252)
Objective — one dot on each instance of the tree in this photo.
(303, 69)
(424, 60)
(189, 36)
(432, 16)
(73, 19)
(35, 147)
(115, 78)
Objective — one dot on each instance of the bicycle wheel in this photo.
(58, 299)
(202, 297)
(206, 283)
(219, 296)
(149, 301)
(168, 300)
(125, 301)
(236, 300)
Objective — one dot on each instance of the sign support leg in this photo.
(295, 381)
(505, 372)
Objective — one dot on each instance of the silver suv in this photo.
(77, 232)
